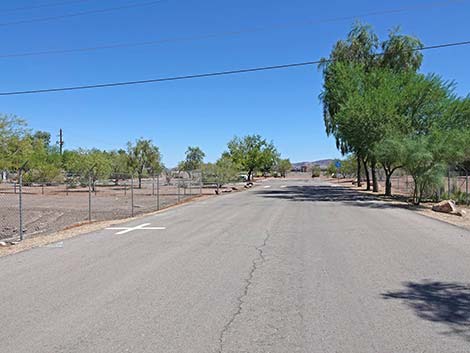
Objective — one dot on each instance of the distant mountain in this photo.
(323, 163)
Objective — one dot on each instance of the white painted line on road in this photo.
(267, 186)
(124, 230)
(283, 186)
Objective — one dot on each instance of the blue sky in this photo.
(281, 105)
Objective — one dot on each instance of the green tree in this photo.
(250, 153)
(332, 170)
(119, 164)
(43, 137)
(82, 164)
(143, 158)
(359, 53)
(194, 160)
(269, 159)
(45, 164)
(284, 166)
(14, 144)
(316, 171)
(222, 172)
(391, 154)
(227, 171)
(423, 166)
(348, 166)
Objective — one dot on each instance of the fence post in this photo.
(158, 192)
(20, 200)
(190, 183)
(466, 185)
(132, 195)
(89, 197)
(153, 184)
(179, 191)
(200, 183)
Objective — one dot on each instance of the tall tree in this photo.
(14, 145)
(194, 159)
(143, 157)
(269, 158)
(250, 153)
(284, 166)
(360, 50)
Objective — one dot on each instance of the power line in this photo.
(34, 7)
(227, 33)
(204, 75)
(82, 13)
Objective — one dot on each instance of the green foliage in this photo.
(348, 167)
(15, 146)
(424, 160)
(283, 167)
(194, 159)
(316, 171)
(44, 162)
(460, 197)
(252, 153)
(87, 163)
(373, 103)
(143, 158)
(119, 163)
(359, 51)
(226, 169)
(269, 159)
(222, 172)
(331, 170)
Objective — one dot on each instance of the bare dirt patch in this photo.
(53, 208)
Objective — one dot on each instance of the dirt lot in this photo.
(52, 208)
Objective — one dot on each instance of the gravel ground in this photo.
(58, 209)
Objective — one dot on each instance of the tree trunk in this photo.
(359, 184)
(375, 185)
(366, 172)
(416, 198)
(388, 183)
(250, 175)
(140, 181)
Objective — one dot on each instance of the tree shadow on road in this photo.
(329, 193)
(446, 303)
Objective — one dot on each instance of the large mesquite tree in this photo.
(366, 56)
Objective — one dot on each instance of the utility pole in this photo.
(61, 141)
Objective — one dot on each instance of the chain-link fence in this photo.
(455, 185)
(9, 209)
(31, 208)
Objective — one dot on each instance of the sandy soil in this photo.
(53, 208)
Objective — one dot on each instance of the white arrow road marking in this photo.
(124, 230)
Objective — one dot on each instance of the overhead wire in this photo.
(224, 34)
(81, 13)
(203, 75)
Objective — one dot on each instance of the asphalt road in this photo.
(291, 266)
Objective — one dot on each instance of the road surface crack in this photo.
(248, 282)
